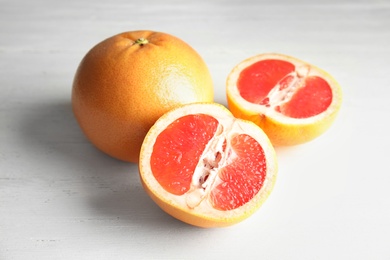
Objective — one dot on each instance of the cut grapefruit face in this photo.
(291, 100)
(205, 167)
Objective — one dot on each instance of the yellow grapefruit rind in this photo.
(204, 215)
(282, 130)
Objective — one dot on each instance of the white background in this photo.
(60, 198)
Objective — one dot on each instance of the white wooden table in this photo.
(60, 198)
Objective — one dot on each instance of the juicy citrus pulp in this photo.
(127, 81)
(291, 100)
(206, 168)
(284, 88)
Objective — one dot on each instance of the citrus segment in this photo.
(243, 175)
(266, 74)
(177, 151)
(205, 167)
(291, 100)
(312, 99)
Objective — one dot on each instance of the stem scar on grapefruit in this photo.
(291, 100)
(126, 82)
(205, 167)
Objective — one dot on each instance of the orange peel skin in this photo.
(188, 216)
(280, 134)
(126, 82)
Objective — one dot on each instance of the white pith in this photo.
(205, 177)
(303, 70)
(206, 172)
(281, 94)
(195, 200)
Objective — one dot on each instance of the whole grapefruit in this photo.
(127, 81)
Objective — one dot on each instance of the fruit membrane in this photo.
(207, 165)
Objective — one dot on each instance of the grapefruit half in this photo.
(205, 167)
(291, 100)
